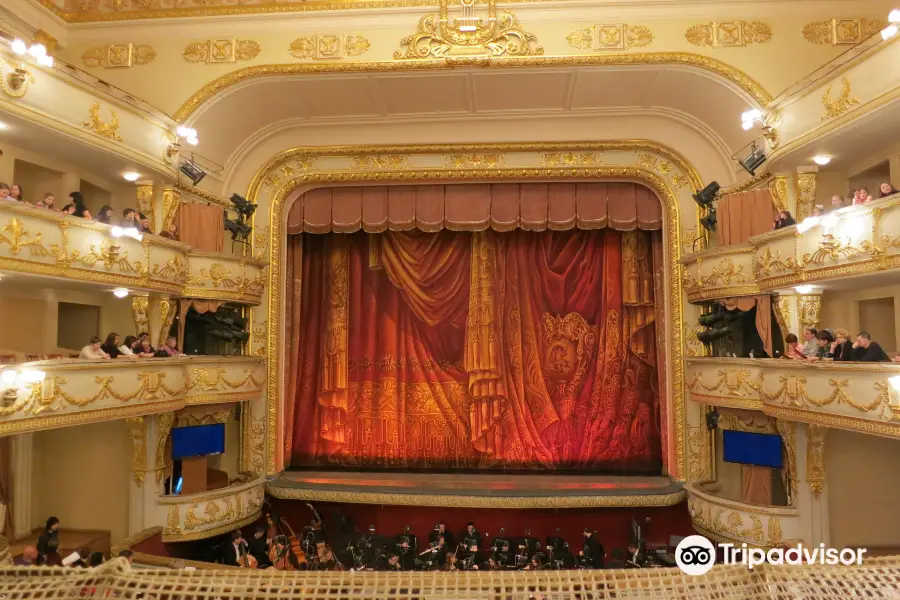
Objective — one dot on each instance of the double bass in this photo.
(285, 552)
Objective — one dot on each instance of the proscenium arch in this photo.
(672, 244)
(731, 74)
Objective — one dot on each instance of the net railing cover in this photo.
(878, 578)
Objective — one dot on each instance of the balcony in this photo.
(43, 242)
(727, 521)
(59, 393)
(853, 396)
(720, 273)
(204, 515)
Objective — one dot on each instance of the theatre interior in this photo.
(448, 299)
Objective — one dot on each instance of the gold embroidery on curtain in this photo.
(375, 251)
(333, 391)
(637, 291)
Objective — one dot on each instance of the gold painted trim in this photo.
(758, 180)
(214, 495)
(203, 195)
(723, 292)
(454, 501)
(208, 533)
(859, 267)
(658, 183)
(214, 294)
(18, 265)
(730, 73)
(89, 416)
(882, 428)
(693, 489)
(223, 398)
(727, 401)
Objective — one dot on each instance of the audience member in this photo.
(96, 559)
(171, 347)
(48, 541)
(47, 202)
(146, 350)
(68, 209)
(93, 351)
(170, 233)
(144, 222)
(865, 350)
(841, 347)
(886, 190)
(784, 219)
(80, 209)
(15, 192)
(129, 219)
(126, 347)
(824, 339)
(136, 345)
(861, 196)
(29, 557)
(810, 345)
(127, 555)
(4, 191)
(837, 202)
(111, 347)
(818, 210)
(105, 214)
(792, 348)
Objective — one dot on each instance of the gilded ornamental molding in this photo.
(329, 46)
(229, 50)
(615, 36)
(118, 56)
(836, 106)
(723, 34)
(208, 514)
(841, 31)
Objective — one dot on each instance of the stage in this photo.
(489, 490)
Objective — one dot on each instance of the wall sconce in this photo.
(16, 84)
(13, 382)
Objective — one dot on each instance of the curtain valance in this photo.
(475, 207)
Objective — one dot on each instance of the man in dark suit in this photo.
(592, 552)
(471, 537)
(441, 530)
(233, 551)
(865, 350)
(259, 547)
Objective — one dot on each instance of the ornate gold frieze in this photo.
(838, 106)
(137, 429)
(723, 274)
(118, 56)
(164, 423)
(331, 46)
(649, 160)
(733, 527)
(839, 31)
(571, 159)
(768, 263)
(144, 197)
(806, 195)
(497, 33)
(815, 458)
(749, 422)
(218, 276)
(258, 338)
(779, 189)
(139, 305)
(475, 161)
(731, 382)
(260, 243)
(729, 33)
(190, 418)
(221, 51)
(109, 129)
(618, 36)
(378, 162)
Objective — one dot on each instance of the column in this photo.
(144, 195)
(805, 449)
(160, 312)
(70, 183)
(148, 470)
(796, 311)
(783, 193)
(22, 457)
(806, 192)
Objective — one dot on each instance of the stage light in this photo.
(239, 229)
(894, 16)
(707, 195)
(756, 158)
(243, 206)
(131, 176)
(120, 292)
(709, 221)
(37, 50)
(192, 171)
(888, 32)
(822, 159)
(803, 289)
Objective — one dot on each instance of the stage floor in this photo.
(491, 490)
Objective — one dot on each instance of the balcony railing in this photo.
(43, 242)
(58, 393)
(738, 523)
(207, 514)
(856, 396)
(720, 273)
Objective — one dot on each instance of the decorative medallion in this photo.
(496, 33)
(329, 46)
(610, 37)
(109, 129)
(841, 31)
(841, 104)
(221, 51)
(117, 56)
(729, 33)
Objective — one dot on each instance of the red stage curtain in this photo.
(473, 350)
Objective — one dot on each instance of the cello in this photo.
(286, 553)
(245, 560)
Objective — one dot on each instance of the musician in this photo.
(490, 565)
(391, 563)
(592, 552)
(370, 546)
(435, 556)
(283, 557)
(503, 557)
(406, 547)
(471, 537)
(534, 564)
(441, 529)
(259, 547)
(235, 550)
(452, 563)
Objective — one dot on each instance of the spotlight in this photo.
(243, 206)
(240, 230)
(192, 171)
(709, 221)
(707, 195)
(751, 163)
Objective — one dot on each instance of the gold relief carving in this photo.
(498, 33)
(288, 170)
(260, 243)
(144, 194)
(731, 382)
(841, 104)
(618, 36)
(171, 205)
(699, 452)
(571, 159)
(17, 237)
(783, 313)
(116, 56)
(649, 160)
(202, 379)
(748, 422)
(110, 255)
(187, 418)
(808, 309)
(729, 33)
(173, 521)
(214, 514)
(692, 240)
(109, 129)
(815, 458)
(787, 429)
(378, 162)
(329, 46)
(164, 423)
(692, 346)
(841, 31)
(779, 189)
(259, 337)
(166, 317)
(774, 532)
(767, 263)
(220, 277)
(221, 51)
(704, 517)
(475, 161)
(806, 197)
(15, 82)
(137, 429)
(258, 446)
(139, 306)
(724, 273)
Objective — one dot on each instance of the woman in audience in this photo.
(136, 345)
(80, 209)
(784, 219)
(15, 192)
(126, 346)
(886, 190)
(818, 210)
(837, 202)
(48, 541)
(146, 350)
(105, 214)
(111, 347)
(171, 346)
(824, 340)
(841, 347)
(861, 196)
(144, 222)
(93, 351)
(792, 348)
(68, 209)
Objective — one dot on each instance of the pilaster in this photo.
(796, 311)
(160, 312)
(784, 195)
(22, 458)
(806, 192)
(810, 495)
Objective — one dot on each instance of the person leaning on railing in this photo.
(887, 189)
(841, 347)
(93, 351)
(865, 350)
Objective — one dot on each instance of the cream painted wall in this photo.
(841, 310)
(228, 461)
(80, 475)
(36, 181)
(863, 489)
(729, 481)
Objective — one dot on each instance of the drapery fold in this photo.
(743, 215)
(476, 207)
(201, 226)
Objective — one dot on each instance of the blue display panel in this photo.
(202, 440)
(761, 449)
